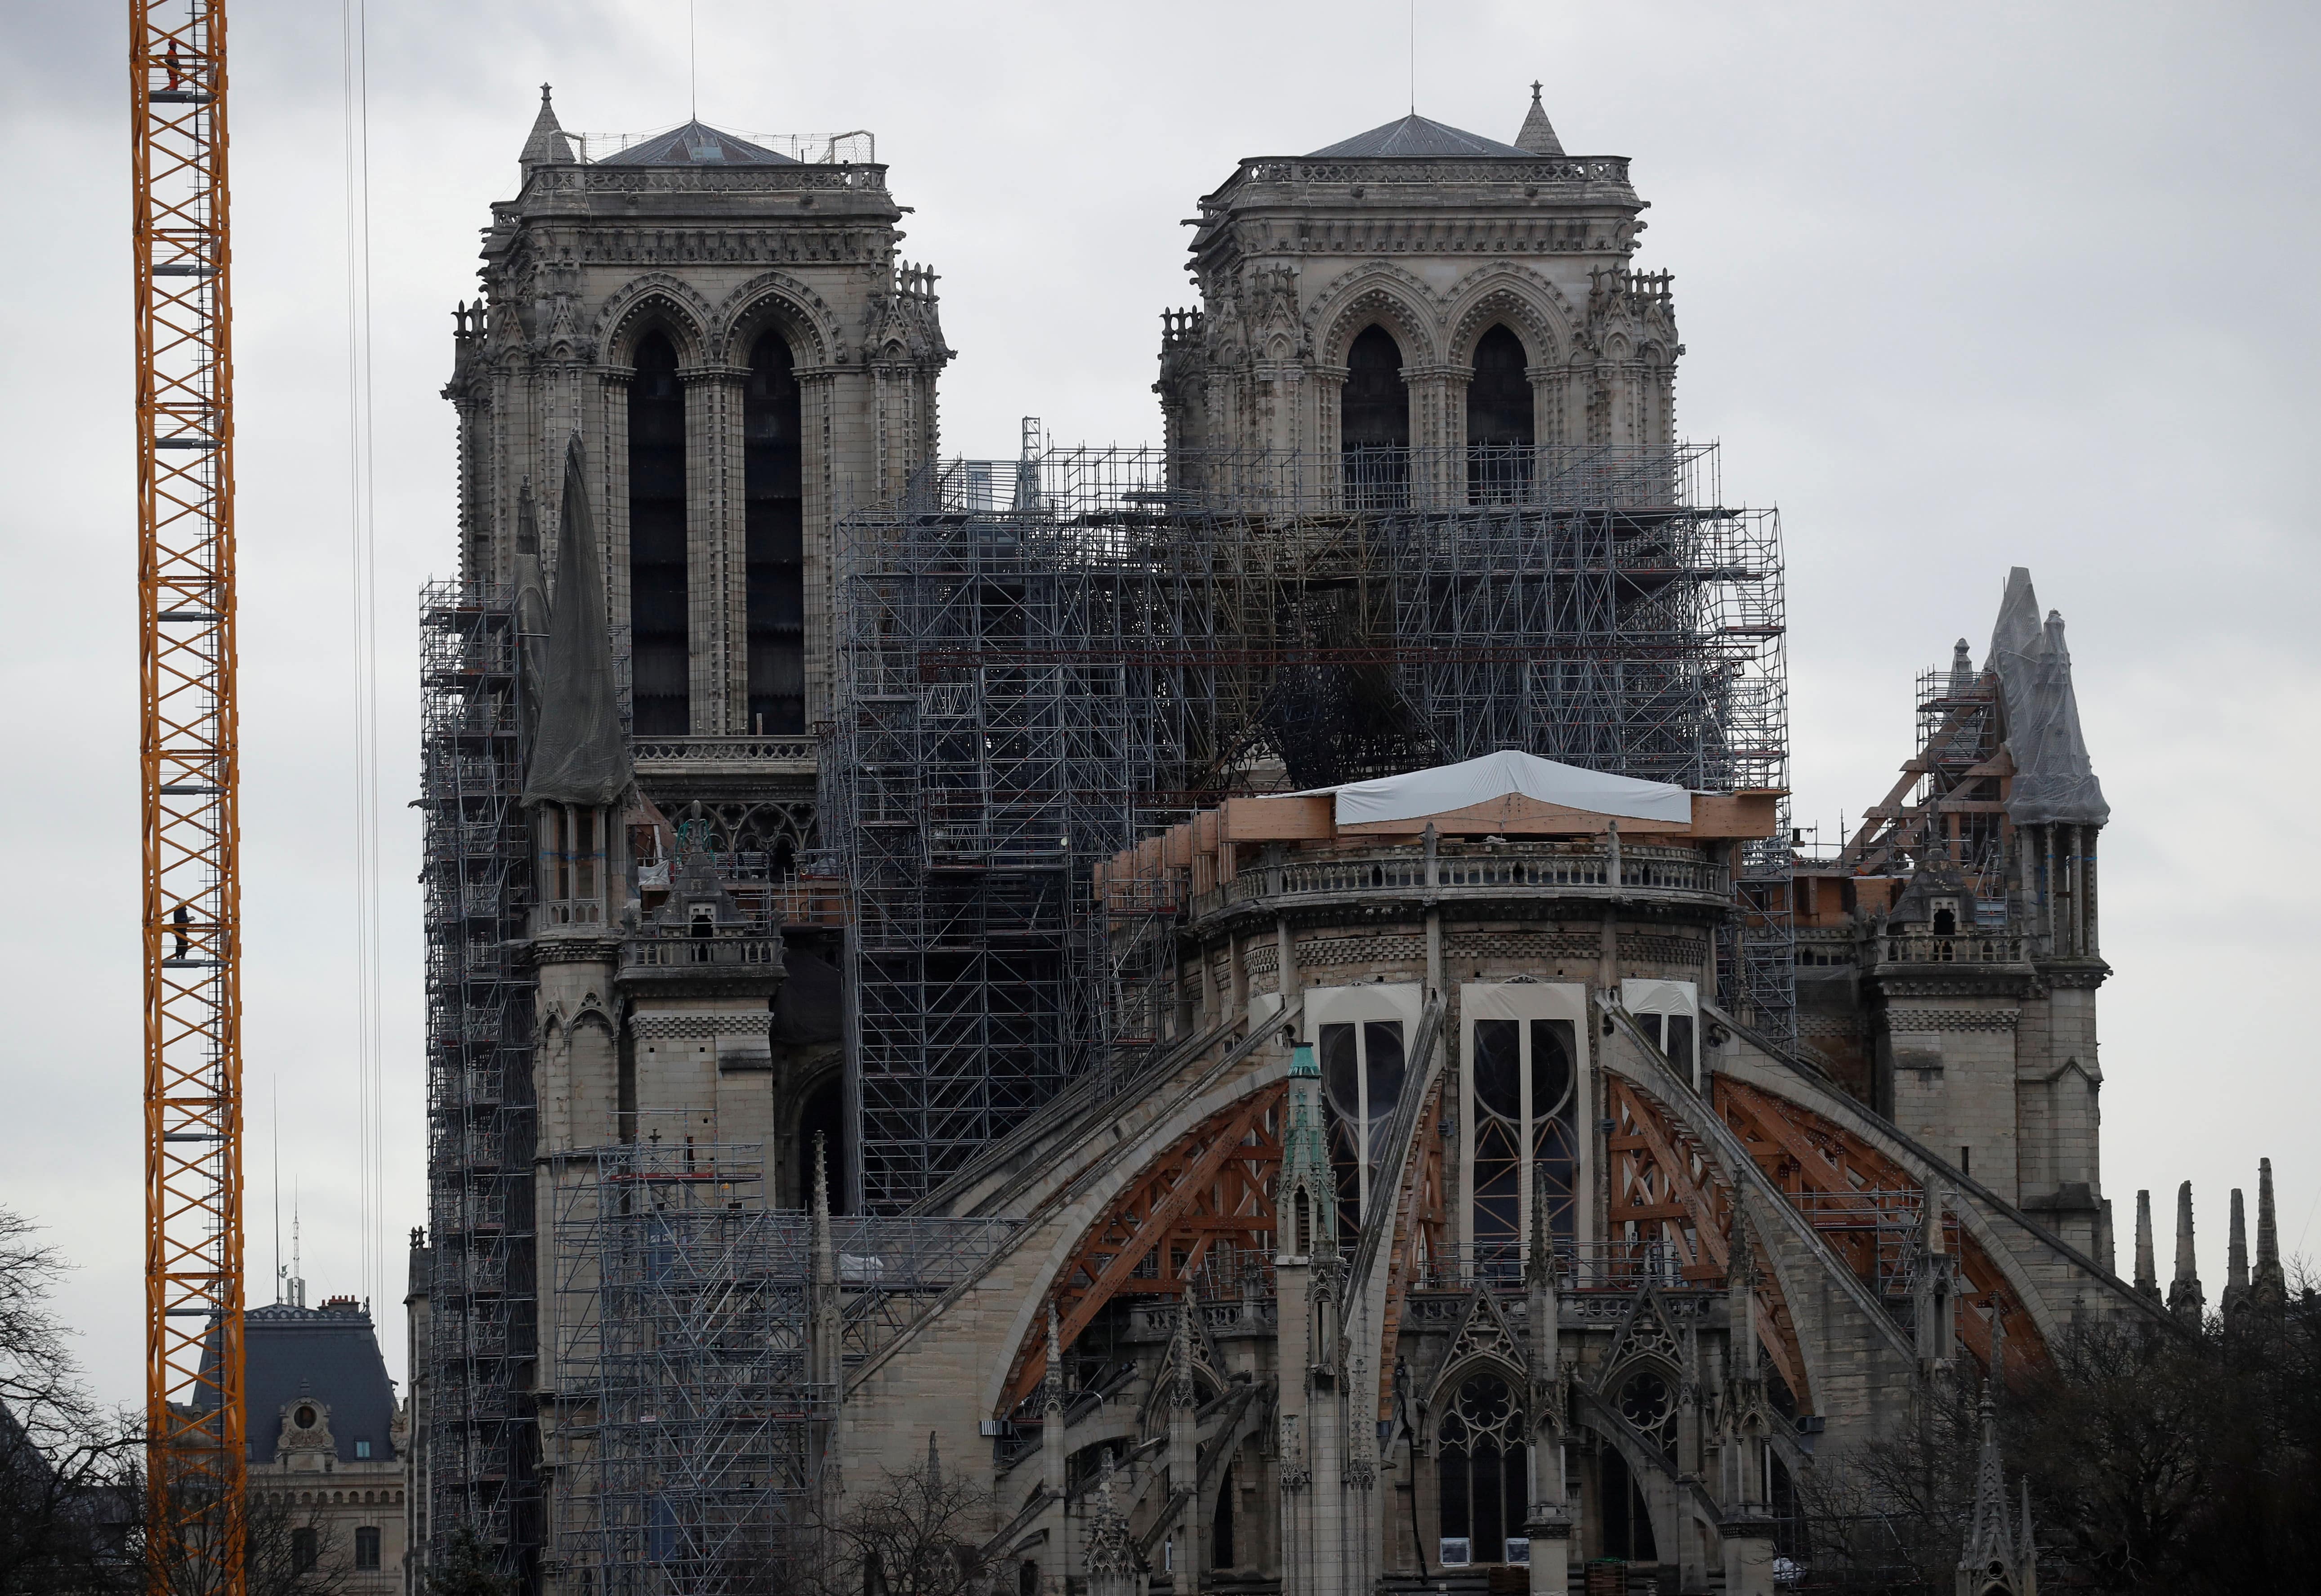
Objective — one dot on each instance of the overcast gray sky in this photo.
(1962, 288)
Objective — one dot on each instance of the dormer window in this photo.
(305, 1417)
(362, 1448)
(1946, 916)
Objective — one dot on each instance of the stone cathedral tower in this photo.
(1420, 287)
(730, 332)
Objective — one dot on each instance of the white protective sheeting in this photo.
(1447, 787)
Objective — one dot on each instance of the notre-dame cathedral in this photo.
(1240, 1016)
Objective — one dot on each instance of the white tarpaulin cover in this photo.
(1421, 792)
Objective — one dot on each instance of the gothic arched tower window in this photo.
(1483, 1468)
(1499, 419)
(660, 653)
(774, 532)
(1374, 421)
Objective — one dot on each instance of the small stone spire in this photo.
(1990, 1539)
(2268, 1288)
(1538, 135)
(1182, 1392)
(2147, 1270)
(2237, 1264)
(2185, 1300)
(934, 1465)
(547, 145)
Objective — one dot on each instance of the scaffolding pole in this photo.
(482, 1443)
(1043, 661)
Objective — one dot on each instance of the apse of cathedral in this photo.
(1250, 1009)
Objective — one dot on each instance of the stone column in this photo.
(609, 465)
(716, 591)
(817, 404)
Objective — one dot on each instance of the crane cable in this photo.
(363, 639)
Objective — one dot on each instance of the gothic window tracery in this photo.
(1363, 1068)
(1648, 1401)
(1482, 1466)
(1526, 1105)
(660, 641)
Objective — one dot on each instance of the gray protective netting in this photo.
(2054, 780)
(580, 755)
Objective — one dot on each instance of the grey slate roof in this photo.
(329, 1354)
(697, 143)
(1415, 135)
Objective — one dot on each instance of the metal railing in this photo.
(680, 947)
(1973, 948)
(1461, 871)
(1596, 1266)
(725, 750)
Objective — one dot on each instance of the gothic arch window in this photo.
(1524, 1090)
(1482, 1467)
(1363, 1067)
(1374, 423)
(660, 650)
(774, 534)
(1499, 434)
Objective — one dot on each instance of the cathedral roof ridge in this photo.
(1416, 135)
(694, 142)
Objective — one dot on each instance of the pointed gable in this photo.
(1484, 1334)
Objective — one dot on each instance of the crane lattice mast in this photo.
(190, 764)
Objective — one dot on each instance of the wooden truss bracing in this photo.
(1846, 1187)
(1421, 1234)
(189, 769)
(1215, 1186)
(1670, 1202)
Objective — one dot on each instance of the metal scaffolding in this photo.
(687, 1367)
(482, 1446)
(1042, 661)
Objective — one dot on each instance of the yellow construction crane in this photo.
(189, 757)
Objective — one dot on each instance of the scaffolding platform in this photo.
(1043, 661)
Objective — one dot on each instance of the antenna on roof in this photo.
(1414, 57)
(297, 1282)
(693, 60)
(277, 1192)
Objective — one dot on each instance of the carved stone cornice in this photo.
(574, 948)
(695, 1025)
(1952, 1019)
(1923, 981)
(2077, 974)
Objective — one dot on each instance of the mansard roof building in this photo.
(1247, 1016)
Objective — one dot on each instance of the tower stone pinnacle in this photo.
(547, 144)
(1538, 134)
(2147, 1272)
(2185, 1300)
